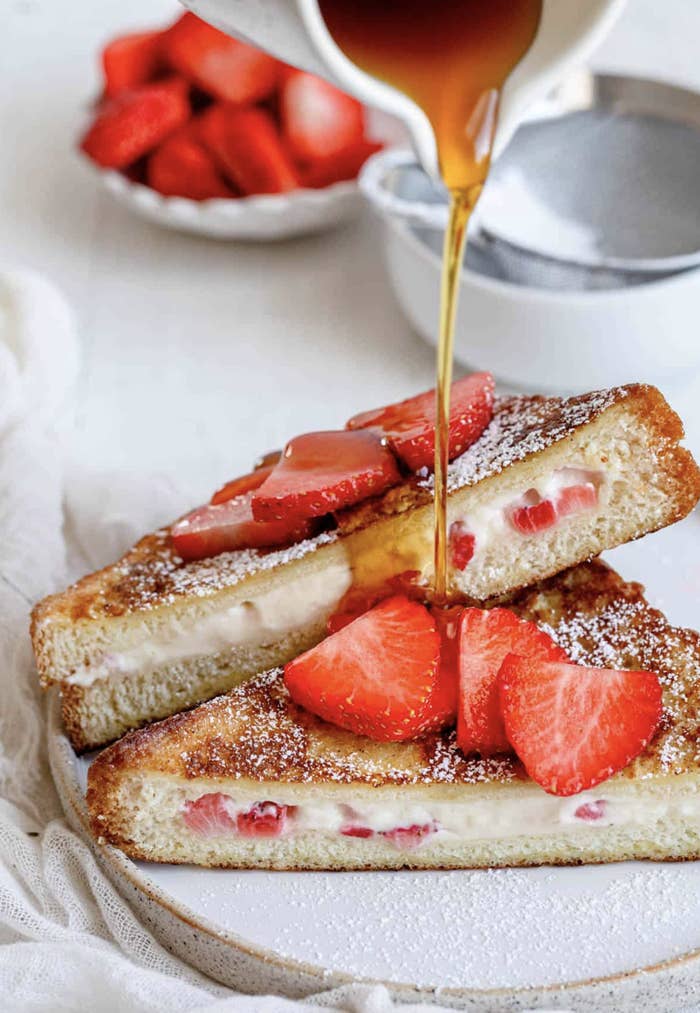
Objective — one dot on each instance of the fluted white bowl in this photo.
(263, 217)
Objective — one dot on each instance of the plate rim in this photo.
(62, 760)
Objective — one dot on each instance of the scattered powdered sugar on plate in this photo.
(481, 929)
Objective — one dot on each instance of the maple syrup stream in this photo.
(462, 204)
(452, 57)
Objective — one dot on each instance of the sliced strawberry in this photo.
(135, 122)
(267, 460)
(462, 545)
(264, 819)
(182, 167)
(248, 149)
(338, 168)
(225, 527)
(486, 636)
(576, 499)
(131, 60)
(373, 677)
(573, 727)
(409, 425)
(319, 122)
(224, 67)
(209, 815)
(528, 519)
(240, 486)
(322, 472)
(410, 838)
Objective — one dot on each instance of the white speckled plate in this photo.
(619, 937)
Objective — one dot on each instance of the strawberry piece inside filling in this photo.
(350, 831)
(209, 815)
(591, 811)
(409, 838)
(531, 517)
(577, 498)
(213, 814)
(264, 819)
(462, 545)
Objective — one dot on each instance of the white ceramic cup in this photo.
(295, 31)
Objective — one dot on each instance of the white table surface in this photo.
(200, 354)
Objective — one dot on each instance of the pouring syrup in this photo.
(452, 58)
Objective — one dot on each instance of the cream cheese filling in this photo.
(489, 522)
(535, 814)
(263, 620)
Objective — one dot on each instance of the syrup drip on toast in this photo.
(452, 57)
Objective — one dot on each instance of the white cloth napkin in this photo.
(69, 941)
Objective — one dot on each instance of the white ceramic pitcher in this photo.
(294, 31)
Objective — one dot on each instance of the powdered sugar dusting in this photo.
(154, 575)
(522, 426)
(478, 930)
(258, 732)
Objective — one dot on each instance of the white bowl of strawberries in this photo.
(200, 132)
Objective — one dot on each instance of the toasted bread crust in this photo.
(257, 734)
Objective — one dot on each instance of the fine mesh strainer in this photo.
(598, 190)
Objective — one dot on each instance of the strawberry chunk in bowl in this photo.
(201, 132)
